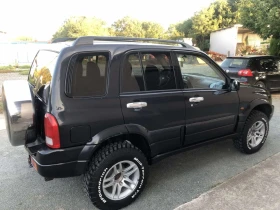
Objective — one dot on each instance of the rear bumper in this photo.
(58, 163)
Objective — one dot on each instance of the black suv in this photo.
(107, 107)
(262, 71)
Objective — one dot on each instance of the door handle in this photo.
(136, 105)
(196, 99)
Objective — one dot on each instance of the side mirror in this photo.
(234, 85)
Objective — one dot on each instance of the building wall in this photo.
(254, 40)
(224, 41)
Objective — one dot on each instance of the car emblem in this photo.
(227, 71)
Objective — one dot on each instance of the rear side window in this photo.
(87, 74)
(148, 71)
(235, 63)
(42, 70)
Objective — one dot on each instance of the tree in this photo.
(173, 33)
(262, 17)
(129, 27)
(152, 30)
(186, 27)
(82, 26)
(220, 14)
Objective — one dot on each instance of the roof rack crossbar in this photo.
(90, 40)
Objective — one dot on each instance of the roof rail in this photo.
(90, 40)
(64, 39)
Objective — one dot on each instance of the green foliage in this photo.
(23, 72)
(220, 14)
(173, 33)
(261, 16)
(153, 30)
(82, 26)
(24, 38)
(130, 27)
(185, 27)
(274, 48)
(7, 68)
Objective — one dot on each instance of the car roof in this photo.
(116, 43)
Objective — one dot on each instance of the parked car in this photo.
(262, 71)
(107, 107)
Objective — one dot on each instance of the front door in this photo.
(211, 108)
(150, 100)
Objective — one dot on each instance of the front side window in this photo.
(198, 72)
(148, 71)
(88, 72)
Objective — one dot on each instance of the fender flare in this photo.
(108, 133)
(253, 104)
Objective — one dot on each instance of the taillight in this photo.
(245, 73)
(51, 131)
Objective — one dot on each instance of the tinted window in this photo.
(41, 71)
(268, 64)
(132, 75)
(88, 72)
(148, 71)
(235, 63)
(197, 72)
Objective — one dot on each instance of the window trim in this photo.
(69, 73)
(139, 52)
(199, 54)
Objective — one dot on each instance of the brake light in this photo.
(245, 73)
(51, 131)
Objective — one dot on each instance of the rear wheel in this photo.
(116, 175)
(254, 133)
(260, 84)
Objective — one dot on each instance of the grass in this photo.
(23, 70)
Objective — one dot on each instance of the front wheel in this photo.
(116, 175)
(254, 133)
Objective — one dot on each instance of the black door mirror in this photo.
(234, 84)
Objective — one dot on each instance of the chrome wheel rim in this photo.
(121, 180)
(256, 134)
(261, 85)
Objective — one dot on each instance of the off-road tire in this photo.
(241, 142)
(102, 161)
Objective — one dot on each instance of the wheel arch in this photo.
(262, 105)
(135, 134)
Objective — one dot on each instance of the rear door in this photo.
(211, 109)
(150, 99)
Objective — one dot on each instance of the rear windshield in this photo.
(235, 63)
(42, 69)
